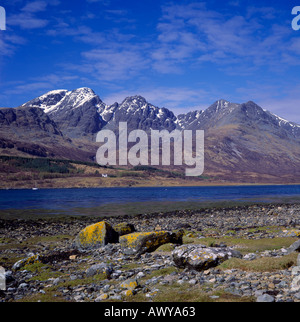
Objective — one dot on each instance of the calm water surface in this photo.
(60, 199)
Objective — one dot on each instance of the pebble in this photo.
(279, 286)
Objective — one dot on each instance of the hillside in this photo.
(243, 142)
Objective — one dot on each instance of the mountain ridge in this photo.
(137, 107)
(243, 142)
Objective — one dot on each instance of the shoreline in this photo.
(212, 184)
(261, 234)
(136, 209)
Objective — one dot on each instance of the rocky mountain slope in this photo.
(247, 141)
(139, 114)
(243, 142)
(75, 112)
(28, 131)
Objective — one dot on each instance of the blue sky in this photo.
(183, 55)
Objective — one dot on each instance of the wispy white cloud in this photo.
(27, 17)
(36, 86)
(177, 99)
(114, 64)
(103, 2)
(240, 42)
(192, 33)
(279, 98)
(35, 6)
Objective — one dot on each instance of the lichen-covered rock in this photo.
(146, 242)
(130, 284)
(31, 259)
(200, 257)
(124, 228)
(292, 233)
(96, 235)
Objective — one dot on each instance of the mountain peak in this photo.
(136, 100)
(48, 101)
(222, 101)
(80, 96)
(222, 106)
(132, 103)
(85, 90)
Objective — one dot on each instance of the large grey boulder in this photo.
(200, 257)
(101, 268)
(295, 247)
(265, 298)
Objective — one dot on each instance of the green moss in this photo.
(263, 264)
(165, 248)
(43, 272)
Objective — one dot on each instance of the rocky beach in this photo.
(236, 254)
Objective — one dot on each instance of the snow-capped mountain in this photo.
(139, 114)
(223, 113)
(243, 142)
(75, 112)
(81, 112)
(57, 100)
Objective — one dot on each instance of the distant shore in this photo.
(124, 184)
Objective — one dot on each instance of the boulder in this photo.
(124, 228)
(295, 247)
(96, 235)
(31, 259)
(200, 257)
(265, 298)
(146, 242)
(295, 285)
(130, 284)
(101, 268)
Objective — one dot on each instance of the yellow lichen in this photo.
(132, 239)
(95, 234)
(128, 293)
(129, 284)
